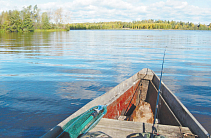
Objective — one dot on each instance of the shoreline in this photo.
(49, 30)
(61, 30)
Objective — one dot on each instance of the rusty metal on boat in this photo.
(131, 104)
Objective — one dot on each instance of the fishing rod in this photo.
(161, 74)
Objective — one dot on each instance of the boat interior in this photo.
(138, 104)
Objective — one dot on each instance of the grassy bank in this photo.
(38, 30)
(49, 30)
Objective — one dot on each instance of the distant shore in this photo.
(30, 19)
(140, 25)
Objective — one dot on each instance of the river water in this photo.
(45, 77)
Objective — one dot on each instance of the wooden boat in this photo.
(133, 97)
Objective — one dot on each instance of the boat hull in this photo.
(125, 97)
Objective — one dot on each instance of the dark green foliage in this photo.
(17, 21)
(27, 24)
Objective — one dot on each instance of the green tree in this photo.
(202, 27)
(36, 16)
(27, 24)
(15, 21)
(4, 18)
(45, 21)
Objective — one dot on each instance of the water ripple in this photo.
(45, 77)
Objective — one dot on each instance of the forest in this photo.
(31, 19)
(144, 24)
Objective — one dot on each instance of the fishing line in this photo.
(156, 108)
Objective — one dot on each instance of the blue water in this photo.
(45, 77)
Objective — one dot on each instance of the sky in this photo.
(194, 11)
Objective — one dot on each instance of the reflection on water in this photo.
(81, 90)
(46, 77)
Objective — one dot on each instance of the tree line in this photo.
(29, 19)
(144, 24)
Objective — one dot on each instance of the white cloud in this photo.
(125, 10)
(158, 4)
(49, 5)
(181, 6)
(4, 5)
(179, 11)
(176, 4)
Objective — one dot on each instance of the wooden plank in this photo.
(165, 115)
(122, 129)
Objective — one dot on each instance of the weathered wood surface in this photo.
(180, 111)
(142, 113)
(122, 129)
(165, 114)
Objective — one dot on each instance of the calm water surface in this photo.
(45, 77)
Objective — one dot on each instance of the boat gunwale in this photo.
(181, 112)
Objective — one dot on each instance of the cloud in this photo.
(125, 10)
(4, 5)
(179, 11)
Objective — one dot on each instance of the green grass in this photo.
(49, 30)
